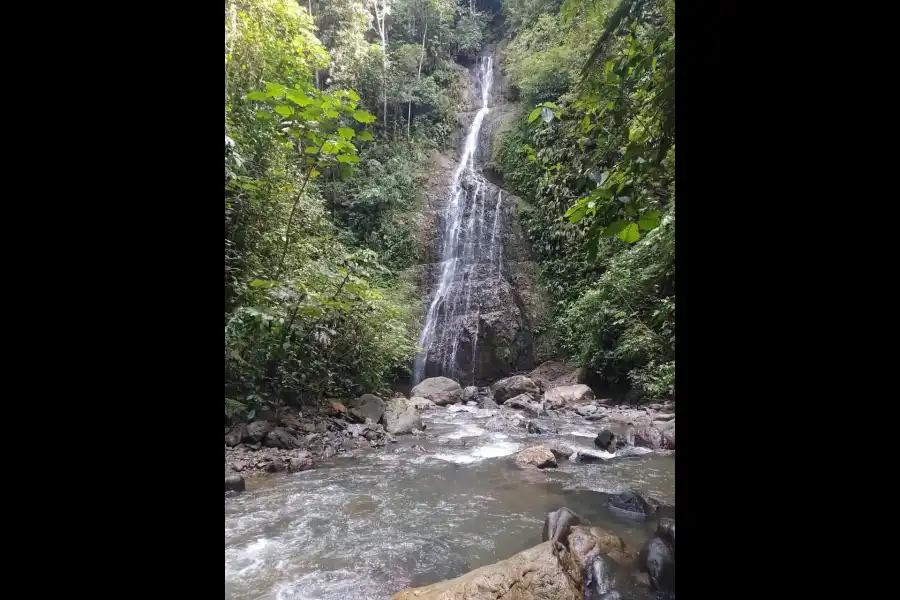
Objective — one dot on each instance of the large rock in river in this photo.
(400, 416)
(440, 390)
(421, 403)
(513, 386)
(536, 456)
(367, 406)
(534, 574)
(526, 402)
(567, 395)
(256, 432)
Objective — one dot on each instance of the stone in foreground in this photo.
(367, 406)
(234, 483)
(440, 390)
(536, 456)
(534, 574)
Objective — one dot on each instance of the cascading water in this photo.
(469, 252)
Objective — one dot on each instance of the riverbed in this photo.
(364, 527)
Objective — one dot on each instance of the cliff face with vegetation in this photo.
(343, 119)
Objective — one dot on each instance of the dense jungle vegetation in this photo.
(595, 160)
(331, 110)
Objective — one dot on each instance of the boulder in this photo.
(401, 416)
(544, 572)
(591, 456)
(657, 557)
(336, 409)
(560, 450)
(553, 373)
(526, 402)
(565, 395)
(367, 406)
(536, 456)
(276, 464)
(598, 579)
(470, 393)
(558, 524)
(421, 403)
(234, 483)
(487, 402)
(288, 418)
(669, 437)
(300, 462)
(440, 390)
(513, 386)
(281, 438)
(648, 437)
(632, 505)
(234, 435)
(606, 440)
(256, 432)
(504, 421)
(534, 574)
(586, 410)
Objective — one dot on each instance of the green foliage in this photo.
(309, 311)
(594, 157)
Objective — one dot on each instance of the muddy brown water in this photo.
(367, 526)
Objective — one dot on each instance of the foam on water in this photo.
(466, 431)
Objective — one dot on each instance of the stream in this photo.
(364, 527)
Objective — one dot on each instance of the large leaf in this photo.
(284, 110)
(576, 213)
(348, 158)
(274, 90)
(298, 98)
(629, 233)
(535, 114)
(346, 132)
(633, 150)
(363, 116)
(256, 96)
(615, 228)
(649, 220)
(365, 136)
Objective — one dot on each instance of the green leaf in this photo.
(346, 132)
(265, 116)
(274, 90)
(365, 136)
(264, 283)
(348, 158)
(331, 113)
(534, 114)
(630, 233)
(256, 96)
(298, 98)
(551, 105)
(311, 150)
(330, 147)
(353, 95)
(314, 173)
(633, 150)
(649, 220)
(284, 110)
(363, 116)
(615, 228)
(576, 212)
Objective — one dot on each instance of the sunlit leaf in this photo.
(348, 158)
(284, 110)
(365, 136)
(615, 228)
(649, 220)
(256, 96)
(331, 113)
(346, 132)
(534, 114)
(363, 116)
(629, 233)
(298, 98)
(274, 90)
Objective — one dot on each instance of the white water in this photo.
(465, 245)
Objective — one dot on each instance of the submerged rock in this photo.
(591, 456)
(300, 462)
(513, 386)
(536, 456)
(657, 557)
(234, 483)
(598, 579)
(440, 390)
(559, 397)
(606, 440)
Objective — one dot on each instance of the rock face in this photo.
(536, 456)
(559, 397)
(440, 390)
(513, 386)
(648, 437)
(400, 416)
(367, 406)
(553, 374)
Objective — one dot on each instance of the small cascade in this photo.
(471, 255)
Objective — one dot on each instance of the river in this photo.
(364, 527)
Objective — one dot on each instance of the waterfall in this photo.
(467, 254)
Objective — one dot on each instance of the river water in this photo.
(366, 526)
